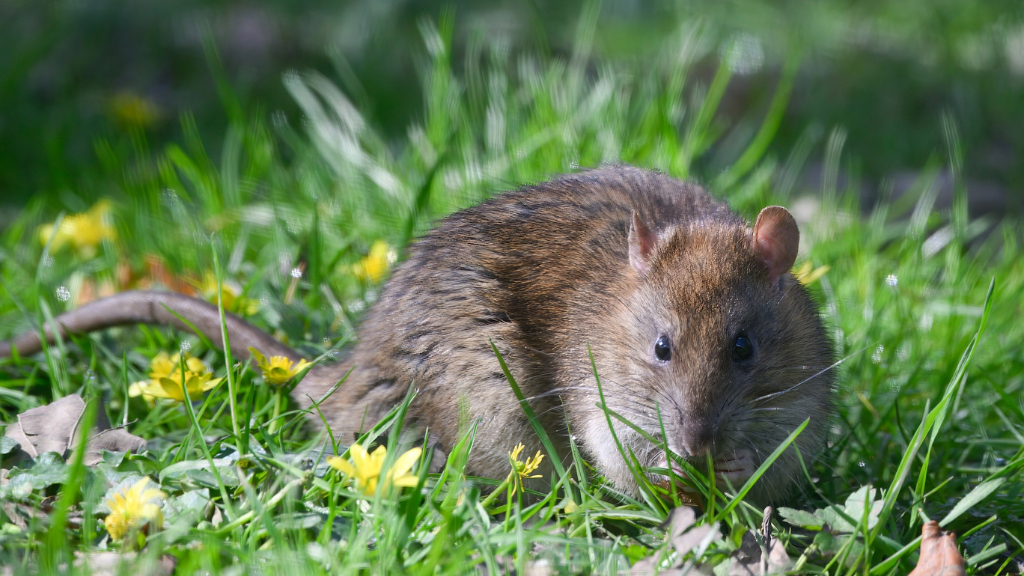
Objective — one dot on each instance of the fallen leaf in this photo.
(48, 428)
(746, 560)
(680, 520)
(55, 428)
(778, 558)
(749, 559)
(19, 514)
(112, 440)
(694, 538)
(939, 556)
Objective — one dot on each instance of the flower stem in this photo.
(224, 338)
(274, 501)
(497, 490)
(274, 424)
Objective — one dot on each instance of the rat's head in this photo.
(721, 340)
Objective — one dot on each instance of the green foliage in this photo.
(929, 407)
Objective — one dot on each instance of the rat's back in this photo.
(510, 271)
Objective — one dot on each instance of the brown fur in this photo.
(543, 272)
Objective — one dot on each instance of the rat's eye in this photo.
(742, 348)
(663, 349)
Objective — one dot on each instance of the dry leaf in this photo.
(111, 440)
(683, 535)
(48, 428)
(646, 567)
(693, 538)
(939, 556)
(18, 514)
(55, 428)
(746, 561)
(749, 559)
(680, 520)
(684, 538)
(778, 558)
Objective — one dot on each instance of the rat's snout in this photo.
(698, 437)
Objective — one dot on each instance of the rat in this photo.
(700, 334)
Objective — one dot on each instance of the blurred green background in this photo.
(122, 73)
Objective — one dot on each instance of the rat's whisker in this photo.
(767, 397)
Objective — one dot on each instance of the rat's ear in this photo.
(642, 243)
(776, 240)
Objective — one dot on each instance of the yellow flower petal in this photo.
(277, 370)
(83, 232)
(132, 508)
(405, 462)
(342, 465)
(362, 462)
(406, 481)
(366, 468)
(370, 487)
(375, 265)
(136, 389)
(261, 361)
(195, 365)
(522, 470)
(806, 273)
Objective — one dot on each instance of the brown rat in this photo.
(687, 310)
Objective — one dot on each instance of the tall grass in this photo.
(924, 307)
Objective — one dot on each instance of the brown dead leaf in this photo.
(55, 428)
(648, 567)
(693, 538)
(680, 520)
(746, 561)
(749, 559)
(48, 428)
(939, 556)
(684, 537)
(112, 440)
(20, 514)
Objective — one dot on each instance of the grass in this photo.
(924, 307)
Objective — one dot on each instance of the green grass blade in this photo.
(749, 484)
(553, 455)
(980, 492)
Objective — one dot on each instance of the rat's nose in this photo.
(698, 438)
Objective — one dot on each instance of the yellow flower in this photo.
(807, 274)
(231, 295)
(165, 379)
(133, 508)
(81, 232)
(522, 470)
(366, 468)
(375, 265)
(277, 369)
(129, 110)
